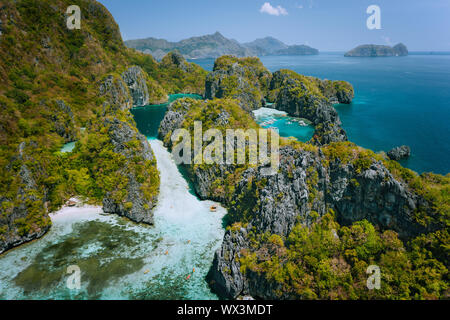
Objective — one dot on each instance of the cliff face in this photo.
(135, 205)
(372, 50)
(353, 182)
(243, 79)
(303, 187)
(248, 81)
(21, 217)
(59, 85)
(312, 98)
(135, 80)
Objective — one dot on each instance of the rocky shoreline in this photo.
(311, 180)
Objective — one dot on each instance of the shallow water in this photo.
(120, 259)
(68, 147)
(298, 128)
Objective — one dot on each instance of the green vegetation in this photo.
(167, 76)
(209, 113)
(327, 261)
(42, 62)
(256, 79)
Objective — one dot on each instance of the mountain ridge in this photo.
(215, 45)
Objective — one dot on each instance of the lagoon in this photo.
(398, 100)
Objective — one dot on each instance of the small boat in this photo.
(146, 271)
(71, 203)
(187, 278)
(193, 269)
(167, 252)
(213, 208)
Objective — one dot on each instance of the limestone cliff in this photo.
(353, 182)
(20, 218)
(248, 81)
(135, 205)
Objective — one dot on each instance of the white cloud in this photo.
(274, 11)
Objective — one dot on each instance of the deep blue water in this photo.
(398, 100)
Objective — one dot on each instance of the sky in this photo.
(328, 25)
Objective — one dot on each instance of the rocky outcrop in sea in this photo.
(372, 50)
(399, 153)
(304, 186)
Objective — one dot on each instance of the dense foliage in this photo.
(49, 95)
(329, 261)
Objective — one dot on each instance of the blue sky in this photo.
(324, 24)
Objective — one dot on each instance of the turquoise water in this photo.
(298, 128)
(68, 147)
(119, 259)
(398, 100)
(149, 117)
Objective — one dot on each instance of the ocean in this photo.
(398, 100)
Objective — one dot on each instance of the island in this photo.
(216, 45)
(373, 50)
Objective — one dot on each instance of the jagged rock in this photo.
(399, 153)
(373, 194)
(121, 133)
(225, 276)
(238, 80)
(135, 79)
(116, 93)
(45, 42)
(16, 212)
(123, 93)
(310, 105)
(64, 121)
(306, 185)
(173, 118)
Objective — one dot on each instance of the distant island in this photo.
(216, 45)
(373, 50)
